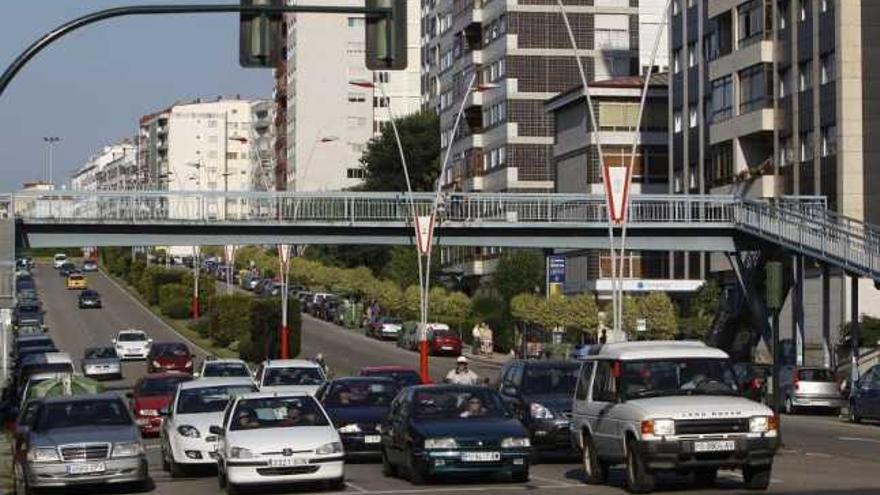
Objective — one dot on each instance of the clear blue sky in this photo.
(90, 87)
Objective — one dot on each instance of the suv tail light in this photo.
(796, 380)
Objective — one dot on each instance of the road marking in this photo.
(525, 486)
(737, 476)
(355, 487)
(857, 439)
(818, 454)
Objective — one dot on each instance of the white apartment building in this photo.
(114, 167)
(650, 23)
(329, 119)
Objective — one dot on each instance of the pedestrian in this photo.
(462, 375)
(475, 343)
(487, 340)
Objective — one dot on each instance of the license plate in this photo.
(287, 462)
(715, 446)
(481, 456)
(372, 438)
(87, 468)
(447, 347)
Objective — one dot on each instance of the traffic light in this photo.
(386, 37)
(261, 36)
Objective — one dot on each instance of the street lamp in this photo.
(50, 144)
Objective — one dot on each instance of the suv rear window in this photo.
(813, 375)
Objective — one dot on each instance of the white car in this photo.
(290, 375)
(197, 405)
(225, 368)
(59, 260)
(132, 344)
(277, 438)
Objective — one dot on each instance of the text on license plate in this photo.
(287, 462)
(715, 446)
(372, 438)
(481, 456)
(87, 468)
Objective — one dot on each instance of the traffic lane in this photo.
(346, 351)
(830, 436)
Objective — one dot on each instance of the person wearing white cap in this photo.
(461, 375)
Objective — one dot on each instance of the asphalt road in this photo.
(822, 455)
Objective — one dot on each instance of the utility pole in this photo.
(50, 143)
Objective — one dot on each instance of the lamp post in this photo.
(284, 259)
(50, 144)
(229, 255)
(195, 299)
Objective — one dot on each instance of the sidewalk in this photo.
(496, 358)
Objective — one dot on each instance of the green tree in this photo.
(700, 313)
(420, 140)
(583, 314)
(519, 271)
(410, 307)
(659, 312)
(527, 307)
(403, 266)
(456, 309)
(631, 313)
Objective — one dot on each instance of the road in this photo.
(822, 455)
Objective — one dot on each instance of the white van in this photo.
(59, 260)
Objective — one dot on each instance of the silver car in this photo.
(810, 388)
(78, 440)
(101, 362)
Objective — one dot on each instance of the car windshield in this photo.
(28, 308)
(26, 344)
(404, 378)
(35, 368)
(160, 386)
(277, 412)
(132, 337)
(815, 375)
(293, 376)
(441, 332)
(100, 353)
(90, 413)
(464, 403)
(390, 321)
(89, 293)
(361, 393)
(209, 399)
(560, 379)
(171, 350)
(685, 376)
(226, 369)
(76, 277)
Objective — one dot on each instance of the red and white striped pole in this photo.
(284, 258)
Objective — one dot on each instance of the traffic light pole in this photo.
(140, 10)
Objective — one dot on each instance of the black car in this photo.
(864, 400)
(89, 299)
(436, 430)
(357, 406)
(28, 312)
(66, 269)
(25, 281)
(540, 394)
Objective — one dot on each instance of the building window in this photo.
(676, 61)
(719, 41)
(805, 76)
(804, 9)
(356, 98)
(693, 117)
(828, 68)
(782, 14)
(755, 88)
(212, 123)
(785, 151)
(612, 39)
(355, 22)
(618, 116)
(829, 140)
(212, 154)
(355, 173)
(676, 121)
(676, 7)
(692, 54)
(381, 101)
(785, 82)
(722, 98)
(806, 144)
(231, 155)
(751, 17)
(826, 5)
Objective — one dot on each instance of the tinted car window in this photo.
(670, 377)
(277, 412)
(131, 337)
(98, 412)
(360, 394)
(292, 376)
(404, 378)
(226, 369)
(550, 379)
(815, 375)
(469, 403)
(208, 399)
(170, 350)
(100, 353)
(159, 386)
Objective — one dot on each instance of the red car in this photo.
(169, 356)
(442, 340)
(151, 394)
(405, 377)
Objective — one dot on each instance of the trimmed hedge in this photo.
(175, 301)
(262, 341)
(230, 319)
(155, 277)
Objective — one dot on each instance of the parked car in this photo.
(810, 388)
(101, 362)
(28, 312)
(31, 327)
(198, 404)
(226, 368)
(78, 440)
(255, 439)
(89, 299)
(290, 375)
(169, 356)
(45, 363)
(357, 406)
(410, 337)
(24, 281)
(76, 281)
(435, 430)
(386, 327)
(864, 401)
(443, 341)
(90, 266)
(405, 377)
(60, 259)
(151, 394)
(539, 393)
(132, 344)
(669, 406)
(23, 342)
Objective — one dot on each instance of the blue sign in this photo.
(556, 269)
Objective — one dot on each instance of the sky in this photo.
(90, 87)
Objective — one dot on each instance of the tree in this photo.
(519, 271)
(697, 320)
(403, 266)
(527, 307)
(583, 314)
(411, 302)
(457, 309)
(659, 312)
(420, 140)
(631, 313)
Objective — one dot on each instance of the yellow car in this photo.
(76, 281)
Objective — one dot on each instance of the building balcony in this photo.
(755, 122)
(757, 52)
(717, 7)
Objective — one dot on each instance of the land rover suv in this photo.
(668, 406)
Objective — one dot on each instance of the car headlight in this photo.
(241, 453)
(515, 443)
(538, 411)
(441, 443)
(658, 427)
(188, 431)
(329, 448)
(762, 424)
(352, 428)
(188, 364)
(157, 364)
(127, 449)
(148, 412)
(43, 454)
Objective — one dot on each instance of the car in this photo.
(132, 344)
(753, 379)
(385, 327)
(810, 388)
(77, 440)
(405, 377)
(149, 395)
(290, 375)
(277, 437)
(198, 404)
(226, 368)
(169, 356)
(59, 260)
(443, 341)
(90, 266)
(864, 400)
(669, 406)
(539, 392)
(28, 312)
(441, 430)
(89, 299)
(29, 295)
(31, 327)
(77, 281)
(101, 363)
(24, 281)
(66, 269)
(25, 341)
(357, 406)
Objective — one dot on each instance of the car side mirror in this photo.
(215, 430)
(510, 390)
(165, 411)
(129, 394)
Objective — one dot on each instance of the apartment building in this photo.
(772, 98)
(113, 167)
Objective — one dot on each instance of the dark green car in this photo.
(434, 430)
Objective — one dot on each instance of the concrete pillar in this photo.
(854, 328)
(827, 359)
(797, 308)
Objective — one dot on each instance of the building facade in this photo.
(112, 168)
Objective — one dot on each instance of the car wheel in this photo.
(221, 477)
(232, 489)
(705, 476)
(166, 466)
(174, 468)
(854, 414)
(416, 475)
(595, 473)
(638, 478)
(388, 470)
(757, 477)
(335, 485)
(521, 476)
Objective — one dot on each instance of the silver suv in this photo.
(669, 406)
